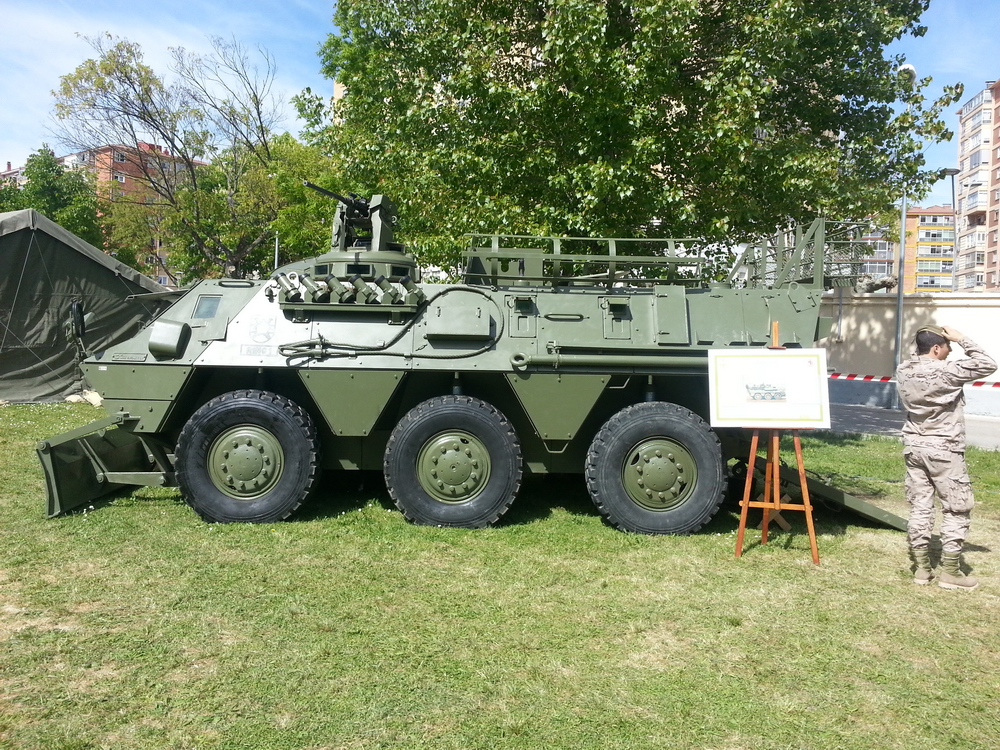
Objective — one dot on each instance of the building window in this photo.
(936, 250)
(933, 282)
(119, 156)
(119, 178)
(936, 234)
(877, 269)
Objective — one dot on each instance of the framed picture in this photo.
(769, 388)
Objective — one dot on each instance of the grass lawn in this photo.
(136, 625)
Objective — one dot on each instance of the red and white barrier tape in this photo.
(868, 378)
(887, 379)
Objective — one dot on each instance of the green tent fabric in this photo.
(43, 269)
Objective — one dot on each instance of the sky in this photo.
(40, 43)
(41, 40)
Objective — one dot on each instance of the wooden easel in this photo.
(771, 501)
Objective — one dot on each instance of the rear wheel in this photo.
(656, 468)
(453, 461)
(247, 456)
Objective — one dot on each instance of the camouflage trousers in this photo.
(930, 470)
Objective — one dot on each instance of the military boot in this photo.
(922, 565)
(952, 576)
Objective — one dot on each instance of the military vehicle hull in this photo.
(245, 392)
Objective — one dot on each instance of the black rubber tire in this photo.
(455, 425)
(619, 443)
(284, 436)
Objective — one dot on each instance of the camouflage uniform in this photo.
(934, 442)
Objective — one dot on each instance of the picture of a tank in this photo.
(551, 356)
(766, 392)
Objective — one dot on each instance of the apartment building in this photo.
(976, 152)
(119, 171)
(880, 261)
(13, 173)
(991, 266)
(930, 249)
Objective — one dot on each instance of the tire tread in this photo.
(298, 415)
(431, 405)
(600, 447)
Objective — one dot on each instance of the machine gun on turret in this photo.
(363, 242)
(360, 223)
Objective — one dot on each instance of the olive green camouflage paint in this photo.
(546, 339)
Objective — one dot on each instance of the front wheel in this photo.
(453, 461)
(656, 468)
(247, 456)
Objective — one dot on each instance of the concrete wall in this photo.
(864, 333)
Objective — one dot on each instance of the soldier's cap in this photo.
(933, 329)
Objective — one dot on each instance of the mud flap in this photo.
(101, 457)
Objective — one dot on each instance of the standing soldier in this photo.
(930, 389)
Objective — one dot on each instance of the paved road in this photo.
(983, 432)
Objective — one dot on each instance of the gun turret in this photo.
(363, 243)
(353, 202)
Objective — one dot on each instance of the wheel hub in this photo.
(659, 473)
(453, 466)
(245, 462)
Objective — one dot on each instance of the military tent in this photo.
(43, 270)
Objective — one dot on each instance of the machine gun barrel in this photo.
(349, 202)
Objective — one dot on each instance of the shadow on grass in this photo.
(342, 492)
(540, 496)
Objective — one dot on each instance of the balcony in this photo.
(972, 260)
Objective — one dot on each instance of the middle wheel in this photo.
(453, 461)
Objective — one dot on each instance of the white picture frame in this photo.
(769, 388)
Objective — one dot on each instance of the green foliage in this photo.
(66, 196)
(305, 219)
(10, 195)
(211, 190)
(720, 120)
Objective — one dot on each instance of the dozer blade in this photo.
(83, 464)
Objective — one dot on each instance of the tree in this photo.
(10, 195)
(207, 180)
(668, 117)
(66, 196)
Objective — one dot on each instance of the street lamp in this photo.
(908, 76)
(951, 172)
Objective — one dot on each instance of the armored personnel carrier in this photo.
(554, 355)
